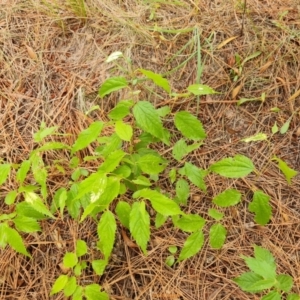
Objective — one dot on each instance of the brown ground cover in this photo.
(52, 63)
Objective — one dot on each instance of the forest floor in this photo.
(52, 63)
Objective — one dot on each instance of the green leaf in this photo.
(4, 172)
(124, 131)
(52, 146)
(109, 145)
(182, 191)
(106, 232)
(36, 203)
(78, 294)
(163, 111)
(233, 167)
(59, 200)
(70, 260)
(123, 212)
(263, 254)
(286, 170)
(25, 209)
(160, 202)
(157, 79)
(112, 161)
(170, 260)
(284, 282)
(251, 56)
(201, 89)
(189, 126)
(272, 296)
(261, 207)
(11, 197)
(247, 280)
(44, 132)
(217, 236)
(254, 138)
(217, 215)
(139, 225)
(265, 269)
(189, 223)
(15, 241)
(195, 175)
(262, 285)
(160, 220)
(3, 235)
(23, 171)
(172, 175)
(70, 287)
(152, 164)
(124, 171)
(227, 198)
(285, 127)
(81, 248)
(192, 245)
(293, 297)
(179, 150)
(172, 249)
(87, 136)
(149, 120)
(92, 292)
(99, 266)
(111, 85)
(26, 224)
(59, 284)
(275, 128)
(121, 110)
(142, 180)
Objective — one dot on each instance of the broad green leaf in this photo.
(70, 260)
(272, 296)
(81, 248)
(78, 294)
(263, 268)
(247, 280)
(39, 172)
(110, 144)
(217, 215)
(121, 110)
(170, 260)
(190, 223)
(227, 198)
(261, 207)
(123, 212)
(233, 167)
(113, 56)
(160, 220)
(263, 254)
(5, 217)
(262, 285)
(285, 127)
(189, 126)
(15, 241)
(3, 235)
(192, 245)
(149, 120)
(286, 170)
(124, 171)
(96, 183)
(25, 209)
(179, 150)
(142, 180)
(161, 203)
(112, 161)
(172, 175)
(92, 292)
(99, 266)
(275, 128)
(163, 111)
(139, 225)
(23, 170)
(293, 297)
(43, 132)
(157, 79)
(201, 89)
(11, 197)
(217, 236)
(52, 146)
(106, 232)
(59, 284)
(111, 85)
(284, 282)
(70, 287)
(26, 224)
(254, 138)
(87, 136)
(194, 174)
(124, 131)
(173, 249)
(152, 164)
(4, 172)
(182, 191)
(36, 203)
